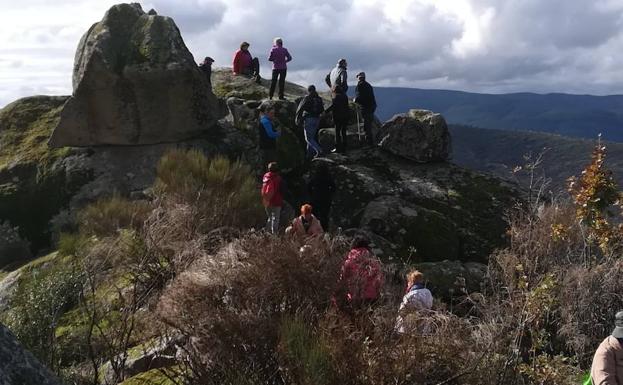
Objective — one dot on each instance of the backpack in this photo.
(327, 79)
(315, 106)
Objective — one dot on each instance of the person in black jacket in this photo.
(321, 188)
(364, 96)
(206, 68)
(341, 113)
(309, 111)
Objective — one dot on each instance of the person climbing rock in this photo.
(206, 68)
(321, 188)
(416, 299)
(607, 367)
(280, 57)
(338, 76)
(309, 110)
(267, 133)
(306, 224)
(341, 114)
(361, 277)
(245, 64)
(364, 96)
(272, 197)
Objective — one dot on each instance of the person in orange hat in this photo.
(306, 224)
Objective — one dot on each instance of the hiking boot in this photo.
(258, 79)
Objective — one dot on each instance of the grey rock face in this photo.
(135, 82)
(418, 135)
(20, 367)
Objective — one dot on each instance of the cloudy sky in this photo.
(493, 46)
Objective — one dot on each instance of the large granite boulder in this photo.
(20, 367)
(135, 82)
(418, 135)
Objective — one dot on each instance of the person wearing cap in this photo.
(338, 76)
(309, 110)
(279, 56)
(364, 96)
(607, 368)
(306, 224)
(206, 68)
(245, 64)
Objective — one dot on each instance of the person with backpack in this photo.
(416, 298)
(267, 134)
(607, 367)
(305, 225)
(272, 197)
(341, 114)
(279, 56)
(309, 110)
(361, 277)
(206, 69)
(364, 97)
(245, 64)
(321, 188)
(338, 76)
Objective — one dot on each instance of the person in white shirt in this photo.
(416, 299)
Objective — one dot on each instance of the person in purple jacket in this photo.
(279, 56)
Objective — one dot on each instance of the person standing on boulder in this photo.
(268, 135)
(245, 64)
(272, 197)
(279, 56)
(341, 114)
(310, 108)
(321, 188)
(206, 68)
(338, 76)
(364, 96)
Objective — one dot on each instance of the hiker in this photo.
(607, 368)
(206, 68)
(272, 197)
(306, 224)
(361, 277)
(268, 135)
(341, 114)
(364, 97)
(245, 64)
(279, 56)
(321, 188)
(338, 76)
(417, 298)
(309, 111)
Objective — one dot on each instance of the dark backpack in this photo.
(315, 107)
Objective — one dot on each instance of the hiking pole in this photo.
(358, 126)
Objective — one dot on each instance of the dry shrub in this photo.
(106, 216)
(224, 193)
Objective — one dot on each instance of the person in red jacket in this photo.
(272, 197)
(245, 64)
(361, 278)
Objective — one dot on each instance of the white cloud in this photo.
(475, 45)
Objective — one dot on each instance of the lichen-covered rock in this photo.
(418, 135)
(20, 367)
(135, 82)
(226, 85)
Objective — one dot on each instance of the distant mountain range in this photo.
(583, 116)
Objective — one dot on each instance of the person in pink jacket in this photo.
(361, 277)
(607, 368)
(279, 56)
(306, 224)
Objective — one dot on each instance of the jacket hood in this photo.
(268, 176)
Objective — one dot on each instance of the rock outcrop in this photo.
(135, 82)
(418, 135)
(20, 367)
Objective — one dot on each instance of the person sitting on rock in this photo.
(268, 135)
(338, 76)
(306, 224)
(361, 277)
(321, 187)
(416, 299)
(310, 108)
(245, 64)
(279, 56)
(341, 114)
(364, 96)
(206, 68)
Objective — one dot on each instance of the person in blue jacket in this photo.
(268, 134)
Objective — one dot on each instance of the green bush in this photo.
(71, 243)
(106, 216)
